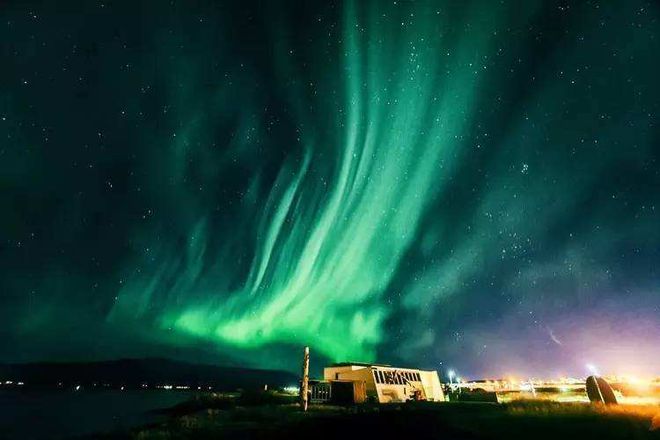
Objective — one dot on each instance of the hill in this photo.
(132, 373)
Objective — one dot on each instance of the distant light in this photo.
(292, 389)
(77, 387)
(451, 374)
(526, 386)
(592, 369)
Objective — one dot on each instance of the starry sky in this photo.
(445, 184)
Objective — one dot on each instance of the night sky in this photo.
(467, 185)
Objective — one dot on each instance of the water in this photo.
(64, 414)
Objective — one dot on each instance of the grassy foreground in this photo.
(277, 418)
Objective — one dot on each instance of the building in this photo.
(382, 383)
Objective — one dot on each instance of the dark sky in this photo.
(466, 185)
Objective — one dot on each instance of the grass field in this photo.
(278, 418)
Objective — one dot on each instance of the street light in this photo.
(592, 369)
(451, 374)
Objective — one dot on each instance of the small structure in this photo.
(338, 392)
(382, 383)
(599, 391)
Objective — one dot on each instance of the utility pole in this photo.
(304, 383)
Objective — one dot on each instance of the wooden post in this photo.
(304, 383)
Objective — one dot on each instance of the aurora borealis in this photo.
(471, 185)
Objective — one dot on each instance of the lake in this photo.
(32, 415)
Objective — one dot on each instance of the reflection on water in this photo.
(60, 414)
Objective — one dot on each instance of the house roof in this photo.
(357, 364)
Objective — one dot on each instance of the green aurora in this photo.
(327, 249)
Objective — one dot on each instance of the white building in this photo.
(389, 384)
